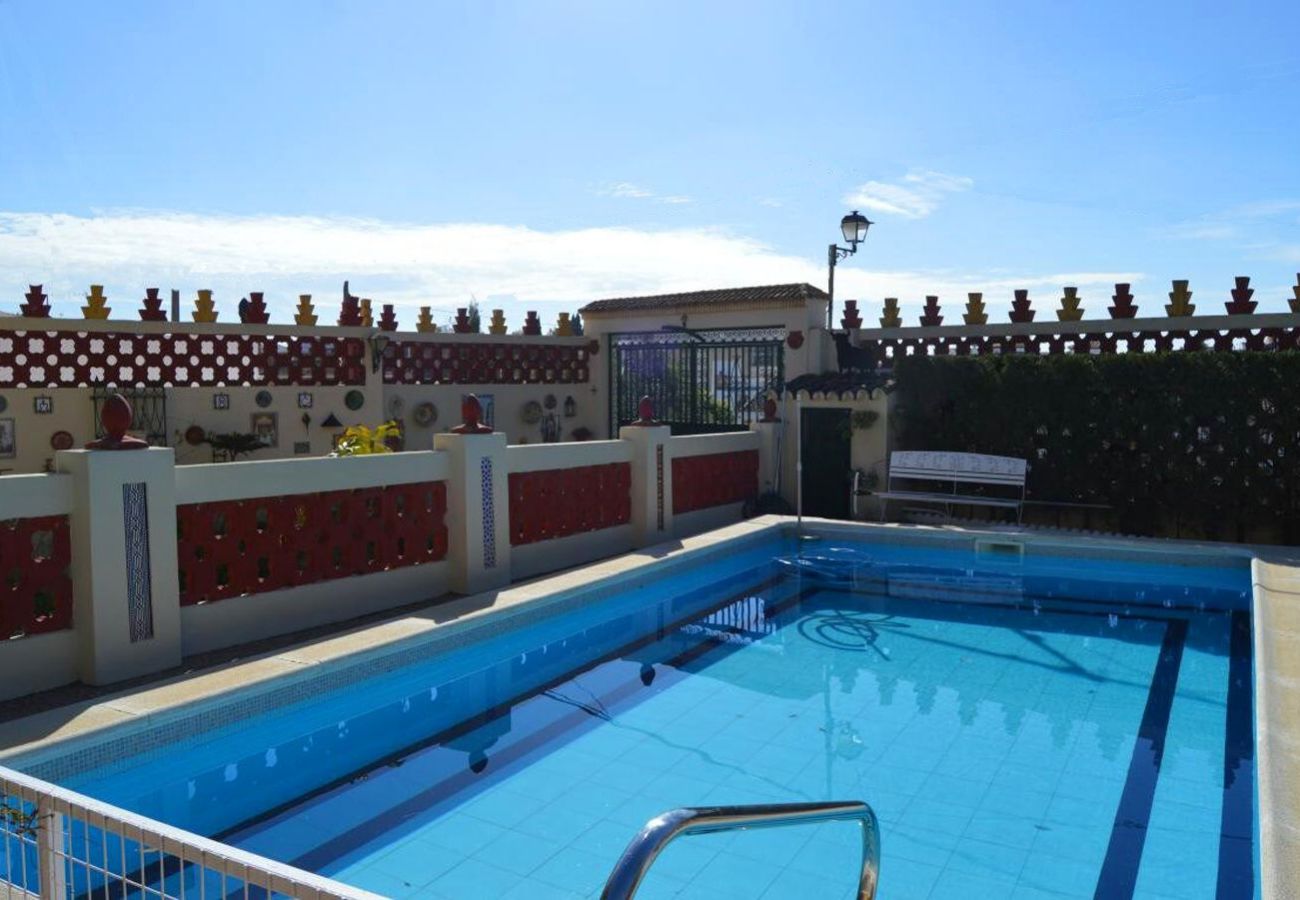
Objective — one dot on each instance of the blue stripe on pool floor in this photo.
(1119, 870)
(1236, 835)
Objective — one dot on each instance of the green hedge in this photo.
(1194, 444)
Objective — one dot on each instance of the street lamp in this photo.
(854, 228)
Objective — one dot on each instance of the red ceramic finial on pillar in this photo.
(471, 411)
(645, 411)
(769, 411)
(115, 416)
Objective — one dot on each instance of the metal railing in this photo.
(634, 864)
(55, 843)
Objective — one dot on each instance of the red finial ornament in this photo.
(471, 411)
(388, 318)
(115, 416)
(1020, 311)
(37, 305)
(255, 311)
(930, 316)
(1241, 304)
(645, 411)
(532, 324)
(152, 310)
(350, 311)
(1124, 307)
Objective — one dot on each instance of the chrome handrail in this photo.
(641, 853)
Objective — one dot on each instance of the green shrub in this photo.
(1201, 443)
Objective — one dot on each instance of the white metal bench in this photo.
(956, 468)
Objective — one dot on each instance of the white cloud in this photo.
(409, 265)
(1261, 227)
(626, 190)
(770, 201)
(915, 196)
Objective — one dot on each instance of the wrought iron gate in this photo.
(699, 381)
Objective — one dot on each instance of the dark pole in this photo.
(831, 257)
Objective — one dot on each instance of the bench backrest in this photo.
(945, 465)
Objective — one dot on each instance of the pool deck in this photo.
(1275, 575)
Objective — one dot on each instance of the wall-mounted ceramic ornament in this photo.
(424, 414)
(531, 413)
(221, 401)
(43, 405)
(263, 399)
(354, 400)
(61, 440)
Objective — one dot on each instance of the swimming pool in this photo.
(1036, 726)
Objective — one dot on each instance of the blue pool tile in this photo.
(475, 878)
(792, 884)
(462, 834)
(988, 860)
(518, 853)
(954, 885)
(575, 870)
(1061, 874)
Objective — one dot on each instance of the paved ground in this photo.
(78, 692)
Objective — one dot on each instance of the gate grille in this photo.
(699, 381)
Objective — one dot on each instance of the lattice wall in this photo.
(233, 547)
(52, 359)
(1094, 343)
(35, 589)
(714, 479)
(558, 502)
(418, 362)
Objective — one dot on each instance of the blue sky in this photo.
(542, 154)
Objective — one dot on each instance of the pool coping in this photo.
(1275, 579)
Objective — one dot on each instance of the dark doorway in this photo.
(825, 435)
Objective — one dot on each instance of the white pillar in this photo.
(478, 510)
(652, 483)
(125, 592)
(769, 462)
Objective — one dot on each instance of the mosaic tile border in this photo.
(489, 515)
(139, 586)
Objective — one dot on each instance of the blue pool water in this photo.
(1046, 727)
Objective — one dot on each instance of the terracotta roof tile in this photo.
(779, 294)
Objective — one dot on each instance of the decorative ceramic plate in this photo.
(194, 435)
(354, 400)
(395, 407)
(532, 412)
(263, 399)
(61, 440)
(424, 414)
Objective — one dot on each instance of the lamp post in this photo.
(854, 228)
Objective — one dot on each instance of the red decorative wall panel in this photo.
(714, 479)
(35, 589)
(421, 362)
(557, 502)
(51, 359)
(233, 547)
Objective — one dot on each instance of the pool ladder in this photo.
(632, 866)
